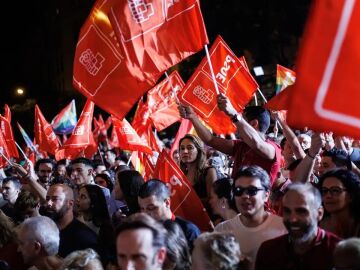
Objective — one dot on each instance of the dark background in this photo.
(39, 38)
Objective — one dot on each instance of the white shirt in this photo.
(250, 238)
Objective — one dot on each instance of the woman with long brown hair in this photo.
(193, 164)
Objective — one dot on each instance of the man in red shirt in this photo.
(253, 148)
(306, 246)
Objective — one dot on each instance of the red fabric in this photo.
(326, 91)
(128, 138)
(185, 128)
(161, 101)
(184, 201)
(285, 258)
(152, 140)
(100, 72)
(148, 168)
(243, 62)
(44, 134)
(108, 122)
(5, 125)
(156, 35)
(4, 150)
(232, 79)
(280, 101)
(81, 142)
(102, 125)
(114, 141)
(245, 156)
(141, 120)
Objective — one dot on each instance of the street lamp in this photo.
(20, 91)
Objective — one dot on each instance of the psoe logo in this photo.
(140, 10)
(224, 69)
(79, 130)
(91, 62)
(204, 95)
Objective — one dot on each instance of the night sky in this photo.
(266, 32)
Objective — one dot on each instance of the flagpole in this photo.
(262, 95)
(2, 154)
(102, 159)
(256, 100)
(264, 98)
(22, 152)
(211, 69)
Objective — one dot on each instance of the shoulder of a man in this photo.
(187, 226)
(271, 252)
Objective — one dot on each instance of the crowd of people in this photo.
(287, 199)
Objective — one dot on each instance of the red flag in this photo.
(100, 72)
(5, 125)
(185, 128)
(44, 134)
(232, 79)
(102, 125)
(148, 168)
(156, 35)
(184, 201)
(81, 142)
(7, 113)
(108, 122)
(128, 138)
(151, 139)
(326, 89)
(141, 119)
(280, 101)
(4, 150)
(114, 140)
(161, 101)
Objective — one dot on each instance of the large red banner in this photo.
(326, 93)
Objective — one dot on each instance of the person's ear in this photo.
(37, 246)
(161, 255)
(254, 123)
(266, 195)
(90, 171)
(320, 213)
(167, 203)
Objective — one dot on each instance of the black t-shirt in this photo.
(76, 236)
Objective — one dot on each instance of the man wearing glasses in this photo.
(254, 224)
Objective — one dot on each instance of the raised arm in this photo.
(222, 145)
(290, 136)
(247, 133)
(305, 167)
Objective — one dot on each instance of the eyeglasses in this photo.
(334, 191)
(251, 191)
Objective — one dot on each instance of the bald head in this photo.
(68, 192)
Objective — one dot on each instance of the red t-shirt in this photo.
(278, 254)
(246, 156)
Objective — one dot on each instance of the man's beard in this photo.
(304, 234)
(56, 215)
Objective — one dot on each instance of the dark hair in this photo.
(177, 248)
(121, 168)
(109, 183)
(44, 161)
(154, 187)
(130, 182)
(260, 114)
(144, 221)
(200, 158)
(97, 163)
(98, 205)
(256, 172)
(14, 179)
(282, 143)
(351, 182)
(26, 200)
(223, 189)
(339, 157)
(87, 162)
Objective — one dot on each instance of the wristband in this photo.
(310, 156)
